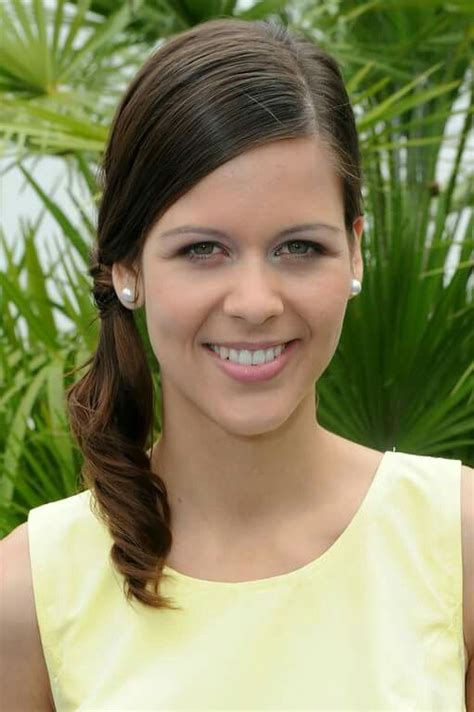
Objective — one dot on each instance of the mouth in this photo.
(249, 373)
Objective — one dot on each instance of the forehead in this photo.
(281, 179)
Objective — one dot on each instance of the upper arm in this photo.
(467, 522)
(24, 680)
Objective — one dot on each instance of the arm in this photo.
(467, 520)
(24, 681)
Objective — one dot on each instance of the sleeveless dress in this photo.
(373, 624)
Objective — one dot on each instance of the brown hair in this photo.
(202, 98)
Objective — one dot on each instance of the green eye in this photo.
(311, 250)
(308, 245)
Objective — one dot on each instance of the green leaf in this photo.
(70, 231)
(16, 433)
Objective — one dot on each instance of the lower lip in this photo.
(250, 374)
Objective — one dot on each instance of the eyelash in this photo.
(318, 249)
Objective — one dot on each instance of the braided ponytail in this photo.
(111, 415)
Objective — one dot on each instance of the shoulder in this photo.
(467, 526)
(60, 529)
(25, 680)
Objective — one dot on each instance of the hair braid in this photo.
(111, 413)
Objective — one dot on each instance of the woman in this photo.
(257, 560)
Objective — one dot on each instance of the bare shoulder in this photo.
(467, 525)
(24, 677)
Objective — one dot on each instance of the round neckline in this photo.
(302, 571)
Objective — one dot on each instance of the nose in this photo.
(254, 294)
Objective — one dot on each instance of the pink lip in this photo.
(250, 374)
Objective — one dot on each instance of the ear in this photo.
(127, 277)
(357, 263)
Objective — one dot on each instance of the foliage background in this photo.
(403, 374)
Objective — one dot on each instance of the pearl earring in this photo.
(128, 295)
(356, 286)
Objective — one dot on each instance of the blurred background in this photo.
(403, 374)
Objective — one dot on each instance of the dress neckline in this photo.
(324, 559)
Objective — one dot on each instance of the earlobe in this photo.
(126, 285)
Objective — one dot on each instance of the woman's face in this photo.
(252, 284)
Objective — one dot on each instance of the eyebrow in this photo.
(184, 229)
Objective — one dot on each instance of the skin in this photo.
(269, 455)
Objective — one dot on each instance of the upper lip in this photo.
(249, 344)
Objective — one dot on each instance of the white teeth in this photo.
(248, 358)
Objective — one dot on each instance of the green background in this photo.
(403, 374)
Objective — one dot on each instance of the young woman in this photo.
(250, 559)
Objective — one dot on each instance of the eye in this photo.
(192, 252)
(313, 246)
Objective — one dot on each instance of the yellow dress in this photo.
(373, 624)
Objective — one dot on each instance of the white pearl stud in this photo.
(356, 287)
(128, 295)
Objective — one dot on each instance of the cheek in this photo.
(325, 300)
(171, 316)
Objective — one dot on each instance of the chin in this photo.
(248, 423)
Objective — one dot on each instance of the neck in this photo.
(230, 483)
